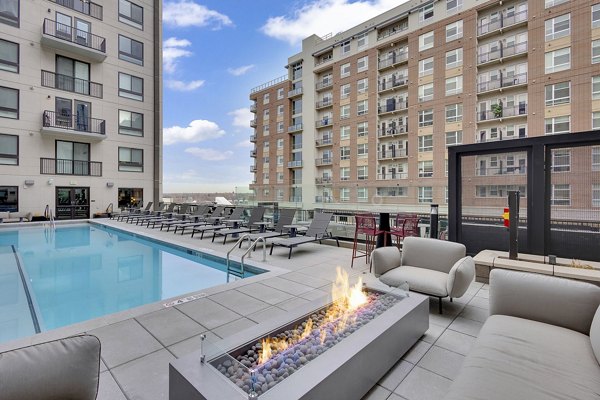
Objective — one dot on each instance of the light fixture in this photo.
(29, 182)
(110, 184)
(50, 182)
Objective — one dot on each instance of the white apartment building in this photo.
(80, 105)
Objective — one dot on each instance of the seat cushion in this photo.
(419, 280)
(517, 358)
(438, 255)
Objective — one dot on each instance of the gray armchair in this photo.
(430, 266)
(62, 369)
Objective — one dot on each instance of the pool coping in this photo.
(86, 326)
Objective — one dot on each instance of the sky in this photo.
(214, 53)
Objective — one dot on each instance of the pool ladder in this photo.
(49, 216)
(252, 245)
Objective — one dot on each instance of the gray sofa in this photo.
(430, 266)
(62, 369)
(15, 216)
(541, 341)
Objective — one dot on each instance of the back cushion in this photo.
(438, 255)
(595, 335)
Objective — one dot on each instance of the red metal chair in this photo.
(366, 224)
(406, 225)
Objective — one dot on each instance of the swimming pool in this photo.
(53, 278)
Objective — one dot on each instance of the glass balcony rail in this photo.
(253, 168)
(392, 106)
(296, 199)
(326, 141)
(502, 112)
(73, 122)
(294, 128)
(295, 92)
(323, 161)
(324, 122)
(391, 31)
(323, 180)
(297, 146)
(324, 84)
(323, 59)
(253, 123)
(74, 35)
(502, 22)
(393, 83)
(252, 138)
(392, 153)
(253, 107)
(83, 6)
(295, 164)
(71, 84)
(324, 103)
(508, 170)
(323, 199)
(501, 52)
(253, 153)
(53, 166)
(392, 130)
(393, 59)
(389, 176)
(502, 82)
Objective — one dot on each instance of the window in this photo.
(362, 194)
(425, 118)
(266, 146)
(345, 153)
(362, 150)
(345, 70)
(558, 27)
(561, 160)
(596, 195)
(297, 71)
(279, 161)
(426, 67)
(362, 173)
(362, 129)
(131, 123)
(595, 158)
(131, 160)
(9, 12)
(454, 112)
(345, 132)
(453, 138)
(266, 160)
(280, 94)
(426, 41)
(558, 93)
(595, 120)
(552, 3)
(131, 14)
(596, 87)
(362, 40)
(558, 125)
(9, 103)
(9, 149)
(266, 98)
(279, 144)
(362, 85)
(9, 56)
(362, 64)
(425, 92)
(345, 91)
(344, 194)
(426, 13)
(280, 127)
(454, 58)
(279, 177)
(9, 198)
(362, 107)
(558, 60)
(453, 6)
(596, 51)
(131, 87)
(266, 114)
(454, 31)
(280, 110)
(596, 16)
(344, 174)
(398, 191)
(425, 143)
(561, 195)
(346, 47)
(425, 194)
(345, 112)
(454, 85)
(131, 50)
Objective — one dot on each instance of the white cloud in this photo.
(241, 117)
(186, 13)
(197, 131)
(245, 143)
(183, 86)
(209, 154)
(321, 17)
(174, 49)
(240, 70)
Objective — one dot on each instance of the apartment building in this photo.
(370, 112)
(80, 105)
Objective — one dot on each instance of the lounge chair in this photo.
(200, 212)
(144, 214)
(255, 216)
(135, 211)
(201, 221)
(154, 215)
(179, 216)
(286, 217)
(218, 223)
(317, 231)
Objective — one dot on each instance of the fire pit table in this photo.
(323, 350)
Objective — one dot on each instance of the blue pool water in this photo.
(80, 272)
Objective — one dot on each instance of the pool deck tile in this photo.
(146, 377)
(233, 327)
(208, 313)
(265, 293)
(170, 325)
(239, 302)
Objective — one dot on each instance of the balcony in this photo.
(502, 112)
(319, 162)
(73, 126)
(323, 180)
(393, 84)
(502, 82)
(71, 84)
(53, 166)
(391, 176)
(392, 107)
(323, 103)
(295, 92)
(253, 153)
(324, 122)
(294, 128)
(253, 107)
(67, 38)
(392, 60)
(253, 169)
(501, 24)
(253, 138)
(391, 154)
(325, 141)
(295, 199)
(253, 123)
(83, 6)
(502, 53)
(391, 31)
(295, 164)
(497, 171)
(323, 199)
(392, 131)
(324, 84)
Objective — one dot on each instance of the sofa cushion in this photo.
(460, 277)
(516, 358)
(419, 280)
(438, 255)
(595, 334)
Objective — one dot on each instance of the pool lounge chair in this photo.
(200, 212)
(179, 216)
(286, 217)
(142, 219)
(134, 211)
(217, 223)
(317, 231)
(255, 216)
(144, 214)
(200, 221)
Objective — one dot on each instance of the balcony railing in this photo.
(502, 22)
(74, 35)
(323, 161)
(295, 92)
(295, 199)
(392, 130)
(389, 154)
(394, 83)
(323, 199)
(73, 122)
(326, 141)
(502, 52)
(393, 59)
(53, 166)
(294, 128)
(253, 123)
(83, 6)
(502, 82)
(324, 122)
(71, 84)
(253, 168)
(253, 107)
(392, 107)
(253, 153)
(502, 112)
(295, 164)
(323, 180)
(493, 171)
(392, 31)
(324, 84)
(323, 103)
(389, 176)
(252, 138)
